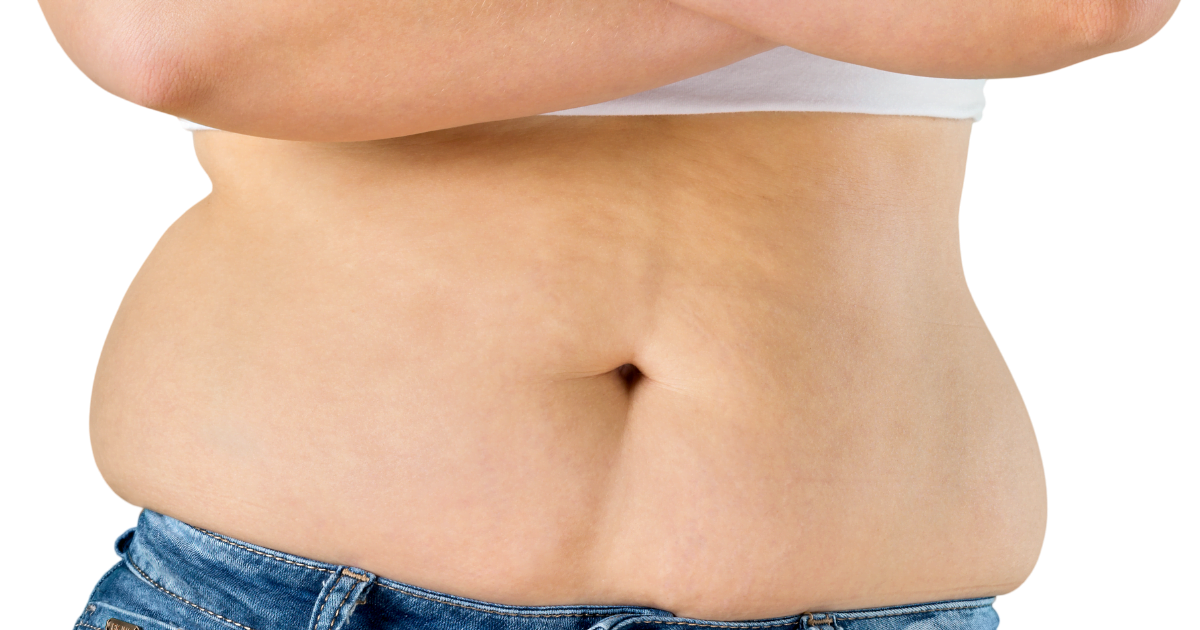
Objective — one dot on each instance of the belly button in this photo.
(630, 374)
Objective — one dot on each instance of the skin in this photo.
(404, 355)
(949, 38)
(397, 334)
(372, 69)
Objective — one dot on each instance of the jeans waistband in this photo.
(248, 587)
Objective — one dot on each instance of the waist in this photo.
(213, 580)
(628, 363)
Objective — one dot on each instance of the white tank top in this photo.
(788, 80)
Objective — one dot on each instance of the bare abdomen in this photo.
(411, 362)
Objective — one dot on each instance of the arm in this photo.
(966, 39)
(367, 69)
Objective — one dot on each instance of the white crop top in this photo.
(788, 80)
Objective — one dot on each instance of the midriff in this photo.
(406, 356)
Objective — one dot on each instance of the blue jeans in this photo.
(173, 576)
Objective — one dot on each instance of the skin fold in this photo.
(406, 355)
(724, 365)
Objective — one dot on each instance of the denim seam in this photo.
(197, 607)
(713, 625)
(840, 616)
(109, 572)
(222, 539)
(218, 538)
(494, 612)
(92, 596)
(340, 606)
(320, 610)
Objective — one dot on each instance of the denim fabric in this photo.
(175, 577)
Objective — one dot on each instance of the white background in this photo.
(1079, 227)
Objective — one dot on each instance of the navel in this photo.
(630, 374)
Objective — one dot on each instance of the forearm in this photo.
(367, 69)
(949, 38)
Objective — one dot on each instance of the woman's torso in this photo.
(407, 356)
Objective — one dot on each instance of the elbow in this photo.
(1106, 26)
(130, 53)
(1076, 31)
(158, 77)
(154, 76)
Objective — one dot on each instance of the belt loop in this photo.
(342, 592)
(609, 622)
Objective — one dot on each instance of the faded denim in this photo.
(175, 577)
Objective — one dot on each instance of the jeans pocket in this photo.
(133, 601)
(103, 616)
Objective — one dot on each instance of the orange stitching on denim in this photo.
(596, 614)
(325, 599)
(339, 608)
(227, 541)
(911, 612)
(713, 625)
(80, 623)
(358, 576)
(200, 608)
(494, 612)
(220, 538)
(513, 614)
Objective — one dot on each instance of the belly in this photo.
(727, 366)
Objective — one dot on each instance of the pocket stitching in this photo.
(182, 599)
